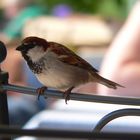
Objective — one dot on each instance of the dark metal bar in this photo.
(12, 131)
(3, 101)
(4, 115)
(75, 96)
(115, 114)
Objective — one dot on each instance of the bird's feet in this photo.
(67, 94)
(41, 91)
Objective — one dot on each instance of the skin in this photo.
(122, 61)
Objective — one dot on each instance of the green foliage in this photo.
(113, 8)
(106, 8)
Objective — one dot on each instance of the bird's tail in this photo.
(108, 83)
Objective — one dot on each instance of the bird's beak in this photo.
(20, 48)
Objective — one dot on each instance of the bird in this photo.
(56, 66)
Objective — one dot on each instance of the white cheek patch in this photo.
(36, 53)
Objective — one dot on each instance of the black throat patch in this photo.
(36, 67)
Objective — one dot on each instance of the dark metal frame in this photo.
(6, 131)
(13, 131)
(4, 115)
(96, 133)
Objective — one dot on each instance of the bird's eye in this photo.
(34, 43)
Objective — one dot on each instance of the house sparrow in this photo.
(56, 66)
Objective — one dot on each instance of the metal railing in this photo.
(6, 131)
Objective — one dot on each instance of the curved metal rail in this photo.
(115, 114)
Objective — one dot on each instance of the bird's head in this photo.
(33, 47)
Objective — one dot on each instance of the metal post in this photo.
(4, 115)
(3, 100)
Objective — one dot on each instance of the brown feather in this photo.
(69, 57)
(33, 39)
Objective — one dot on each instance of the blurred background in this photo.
(87, 27)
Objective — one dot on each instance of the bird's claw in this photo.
(67, 97)
(67, 94)
(41, 91)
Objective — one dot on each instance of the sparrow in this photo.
(58, 67)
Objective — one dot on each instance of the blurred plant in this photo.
(113, 9)
(106, 8)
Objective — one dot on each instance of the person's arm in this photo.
(122, 61)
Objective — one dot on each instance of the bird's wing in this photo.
(69, 57)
